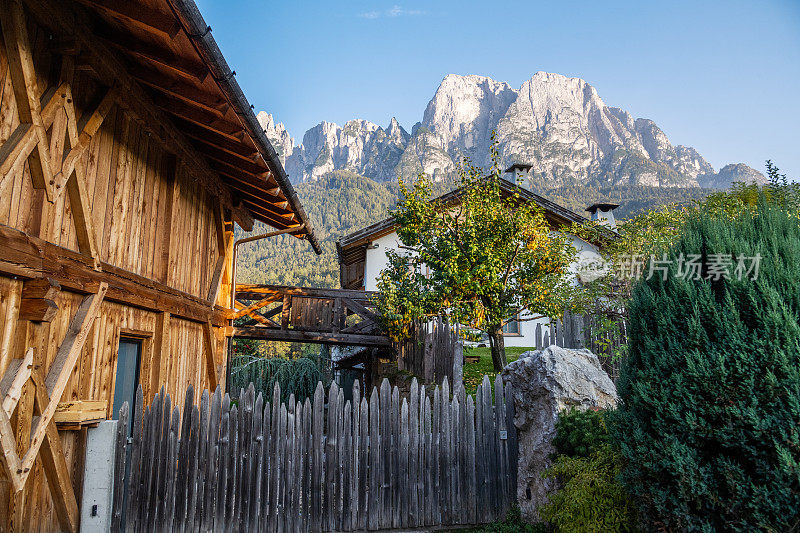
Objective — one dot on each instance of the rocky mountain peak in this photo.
(729, 174)
(396, 131)
(465, 109)
(558, 124)
(277, 135)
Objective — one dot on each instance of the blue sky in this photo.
(723, 77)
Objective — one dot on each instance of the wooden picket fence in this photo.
(585, 331)
(376, 463)
(432, 351)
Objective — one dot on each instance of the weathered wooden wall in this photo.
(151, 219)
(142, 203)
(94, 377)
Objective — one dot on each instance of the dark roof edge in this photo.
(603, 206)
(388, 223)
(200, 34)
(523, 166)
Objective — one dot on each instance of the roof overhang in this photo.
(557, 215)
(524, 167)
(352, 248)
(169, 51)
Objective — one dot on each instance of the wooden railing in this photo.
(302, 314)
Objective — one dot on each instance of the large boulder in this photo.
(546, 382)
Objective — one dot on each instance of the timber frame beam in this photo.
(345, 339)
(30, 258)
(23, 82)
(137, 15)
(72, 172)
(224, 232)
(209, 350)
(51, 171)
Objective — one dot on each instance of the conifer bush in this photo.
(709, 418)
(296, 377)
(580, 433)
(590, 497)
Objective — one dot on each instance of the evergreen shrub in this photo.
(580, 433)
(709, 417)
(590, 497)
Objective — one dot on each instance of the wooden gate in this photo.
(376, 463)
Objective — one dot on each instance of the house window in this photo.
(126, 380)
(512, 326)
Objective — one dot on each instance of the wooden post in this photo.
(210, 349)
(458, 363)
(160, 355)
(173, 189)
(220, 280)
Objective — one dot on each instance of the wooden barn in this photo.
(127, 153)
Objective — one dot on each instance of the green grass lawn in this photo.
(474, 372)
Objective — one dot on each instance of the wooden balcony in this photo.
(301, 314)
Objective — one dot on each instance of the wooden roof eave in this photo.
(187, 81)
(70, 26)
(200, 35)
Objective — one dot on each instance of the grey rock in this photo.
(545, 383)
(359, 146)
(277, 135)
(464, 111)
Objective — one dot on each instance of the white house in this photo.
(362, 254)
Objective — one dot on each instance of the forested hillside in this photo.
(631, 199)
(341, 202)
(337, 203)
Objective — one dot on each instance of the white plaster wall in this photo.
(376, 261)
(527, 330)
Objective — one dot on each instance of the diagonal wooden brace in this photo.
(54, 463)
(24, 84)
(71, 175)
(258, 305)
(63, 365)
(80, 139)
(56, 382)
(23, 373)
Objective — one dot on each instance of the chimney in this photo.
(520, 174)
(604, 214)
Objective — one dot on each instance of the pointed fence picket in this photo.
(376, 462)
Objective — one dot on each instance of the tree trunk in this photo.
(497, 343)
